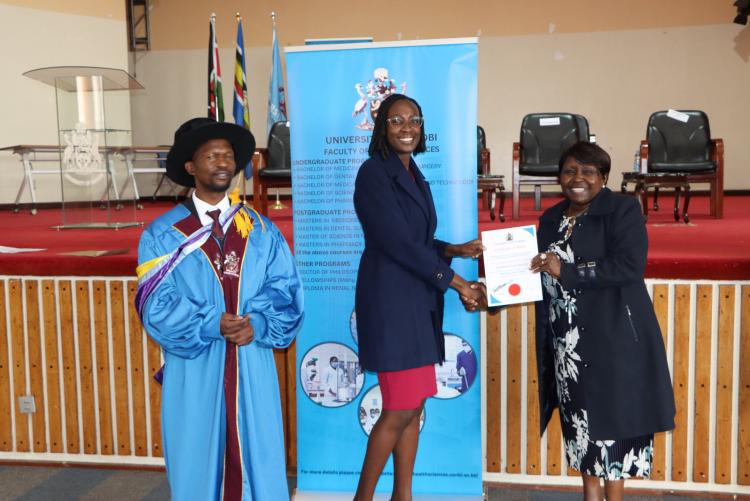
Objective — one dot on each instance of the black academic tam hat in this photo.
(194, 133)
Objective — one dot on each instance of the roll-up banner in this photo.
(334, 93)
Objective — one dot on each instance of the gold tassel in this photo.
(234, 196)
(242, 220)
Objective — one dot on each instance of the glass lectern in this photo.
(93, 122)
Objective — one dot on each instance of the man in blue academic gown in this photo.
(218, 290)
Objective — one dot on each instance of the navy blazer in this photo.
(625, 376)
(402, 273)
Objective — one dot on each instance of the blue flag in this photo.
(276, 99)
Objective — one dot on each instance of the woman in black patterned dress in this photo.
(600, 352)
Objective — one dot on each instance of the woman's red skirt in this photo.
(408, 388)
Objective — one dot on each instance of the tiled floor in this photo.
(46, 483)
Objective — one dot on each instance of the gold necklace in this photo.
(572, 221)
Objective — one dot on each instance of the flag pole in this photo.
(278, 205)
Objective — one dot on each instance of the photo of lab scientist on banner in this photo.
(370, 407)
(330, 374)
(456, 375)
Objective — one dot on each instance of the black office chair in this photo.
(490, 186)
(544, 137)
(679, 144)
(272, 166)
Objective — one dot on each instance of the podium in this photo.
(93, 122)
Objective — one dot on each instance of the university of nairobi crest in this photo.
(229, 266)
(81, 162)
(372, 94)
(232, 264)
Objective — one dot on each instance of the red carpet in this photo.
(707, 248)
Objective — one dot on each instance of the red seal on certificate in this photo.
(514, 289)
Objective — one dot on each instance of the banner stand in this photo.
(335, 92)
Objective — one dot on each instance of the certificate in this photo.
(507, 256)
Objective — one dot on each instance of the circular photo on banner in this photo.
(370, 408)
(330, 374)
(353, 326)
(458, 372)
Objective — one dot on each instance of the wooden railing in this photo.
(76, 345)
(706, 329)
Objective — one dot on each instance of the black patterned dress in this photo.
(608, 459)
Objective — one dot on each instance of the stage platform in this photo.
(706, 248)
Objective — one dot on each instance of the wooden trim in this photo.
(6, 395)
(52, 367)
(702, 385)
(102, 369)
(533, 438)
(35, 365)
(493, 393)
(513, 389)
(680, 376)
(661, 308)
(120, 367)
(554, 444)
(743, 460)
(86, 367)
(724, 384)
(140, 444)
(18, 346)
(154, 364)
(69, 364)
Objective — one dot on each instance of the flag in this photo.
(240, 110)
(215, 98)
(276, 101)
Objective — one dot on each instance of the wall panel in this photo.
(680, 377)
(68, 348)
(702, 384)
(660, 298)
(6, 390)
(20, 364)
(53, 384)
(743, 474)
(86, 369)
(137, 375)
(492, 392)
(513, 389)
(35, 365)
(725, 384)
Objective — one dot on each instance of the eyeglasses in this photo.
(398, 121)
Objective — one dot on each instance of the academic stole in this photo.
(226, 259)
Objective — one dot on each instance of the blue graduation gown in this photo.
(183, 316)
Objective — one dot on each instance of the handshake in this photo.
(473, 296)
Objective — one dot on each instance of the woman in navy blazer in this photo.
(403, 274)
